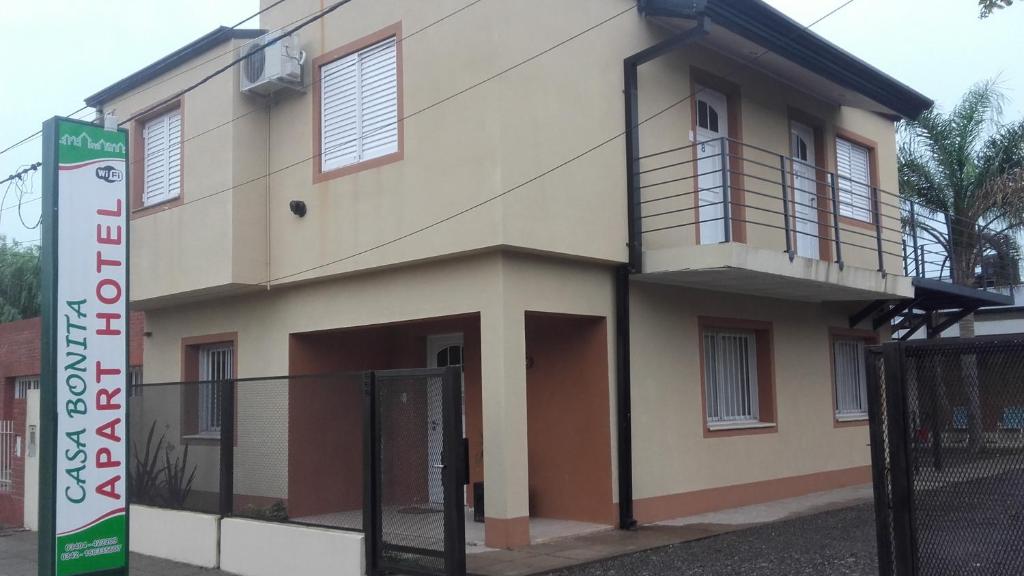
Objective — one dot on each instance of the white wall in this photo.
(186, 537)
(253, 548)
(31, 501)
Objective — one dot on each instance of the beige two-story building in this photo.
(656, 237)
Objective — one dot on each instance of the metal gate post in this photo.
(880, 468)
(453, 474)
(371, 536)
(902, 483)
(227, 447)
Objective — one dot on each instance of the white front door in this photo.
(805, 190)
(442, 351)
(712, 125)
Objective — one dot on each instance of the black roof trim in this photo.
(938, 295)
(171, 61)
(760, 23)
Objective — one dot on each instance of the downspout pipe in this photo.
(623, 394)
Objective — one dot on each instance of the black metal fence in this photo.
(283, 449)
(704, 188)
(416, 521)
(947, 425)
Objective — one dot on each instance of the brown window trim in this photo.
(821, 162)
(137, 166)
(767, 406)
(328, 57)
(834, 334)
(190, 373)
(872, 147)
(737, 194)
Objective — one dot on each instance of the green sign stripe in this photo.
(77, 143)
(99, 547)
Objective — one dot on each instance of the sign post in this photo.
(83, 493)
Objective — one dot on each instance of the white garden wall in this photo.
(187, 537)
(254, 548)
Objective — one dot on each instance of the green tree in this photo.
(967, 164)
(19, 281)
(990, 6)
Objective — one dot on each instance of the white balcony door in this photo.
(805, 190)
(712, 124)
(442, 351)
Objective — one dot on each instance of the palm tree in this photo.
(968, 166)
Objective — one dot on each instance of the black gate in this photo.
(947, 448)
(415, 473)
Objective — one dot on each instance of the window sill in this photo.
(851, 417)
(853, 221)
(320, 175)
(157, 207)
(204, 437)
(718, 427)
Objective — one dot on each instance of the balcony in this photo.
(725, 215)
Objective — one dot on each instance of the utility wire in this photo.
(36, 134)
(536, 177)
(231, 64)
(254, 110)
(403, 118)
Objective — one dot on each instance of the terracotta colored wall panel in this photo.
(325, 415)
(568, 421)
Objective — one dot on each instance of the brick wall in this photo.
(20, 356)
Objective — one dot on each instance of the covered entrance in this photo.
(565, 416)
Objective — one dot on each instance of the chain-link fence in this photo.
(956, 458)
(418, 472)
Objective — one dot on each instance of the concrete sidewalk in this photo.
(574, 554)
(568, 552)
(18, 553)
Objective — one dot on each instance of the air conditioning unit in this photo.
(265, 69)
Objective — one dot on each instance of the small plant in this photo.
(276, 512)
(177, 486)
(147, 475)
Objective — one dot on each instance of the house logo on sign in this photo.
(109, 174)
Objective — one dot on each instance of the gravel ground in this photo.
(835, 543)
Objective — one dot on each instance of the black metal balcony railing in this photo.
(715, 185)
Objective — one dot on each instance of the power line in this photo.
(534, 178)
(234, 61)
(254, 110)
(36, 134)
(311, 83)
(403, 118)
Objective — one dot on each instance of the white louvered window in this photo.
(23, 384)
(850, 379)
(853, 182)
(162, 172)
(216, 364)
(730, 377)
(359, 106)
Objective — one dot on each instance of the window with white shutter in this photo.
(850, 378)
(161, 139)
(853, 180)
(359, 106)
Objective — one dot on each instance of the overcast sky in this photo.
(57, 52)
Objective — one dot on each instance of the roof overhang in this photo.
(936, 296)
(171, 61)
(743, 29)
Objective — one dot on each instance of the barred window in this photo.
(730, 376)
(216, 364)
(24, 384)
(850, 378)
